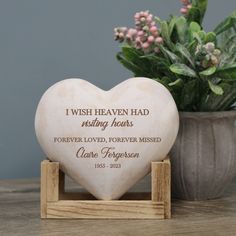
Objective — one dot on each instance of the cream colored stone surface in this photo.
(106, 157)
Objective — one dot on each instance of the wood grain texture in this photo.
(97, 209)
(161, 185)
(167, 188)
(20, 215)
(57, 203)
(43, 189)
(52, 181)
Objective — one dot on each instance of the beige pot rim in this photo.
(208, 115)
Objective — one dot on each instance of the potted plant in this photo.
(199, 69)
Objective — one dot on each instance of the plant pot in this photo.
(204, 155)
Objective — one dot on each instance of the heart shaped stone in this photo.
(106, 140)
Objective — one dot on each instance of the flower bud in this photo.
(121, 35)
(143, 19)
(140, 33)
(145, 45)
(138, 44)
(149, 19)
(138, 39)
(132, 32)
(141, 13)
(189, 6)
(214, 60)
(217, 52)
(210, 47)
(123, 29)
(153, 23)
(159, 40)
(208, 57)
(185, 2)
(153, 29)
(184, 10)
(151, 39)
(143, 35)
(146, 28)
(155, 34)
(137, 16)
(128, 37)
(146, 14)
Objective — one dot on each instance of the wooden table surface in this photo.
(19, 215)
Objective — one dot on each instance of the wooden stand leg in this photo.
(61, 184)
(50, 179)
(43, 189)
(161, 185)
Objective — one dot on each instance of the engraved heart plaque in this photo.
(106, 140)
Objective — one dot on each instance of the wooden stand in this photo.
(56, 203)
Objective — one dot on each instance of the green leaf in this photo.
(131, 53)
(176, 88)
(192, 46)
(197, 37)
(202, 6)
(197, 12)
(182, 69)
(210, 37)
(185, 53)
(226, 24)
(164, 80)
(177, 83)
(195, 27)
(188, 96)
(228, 38)
(228, 99)
(132, 58)
(157, 65)
(194, 14)
(215, 88)
(224, 102)
(181, 27)
(202, 35)
(130, 66)
(208, 72)
(155, 60)
(165, 33)
(173, 57)
(172, 23)
(228, 72)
